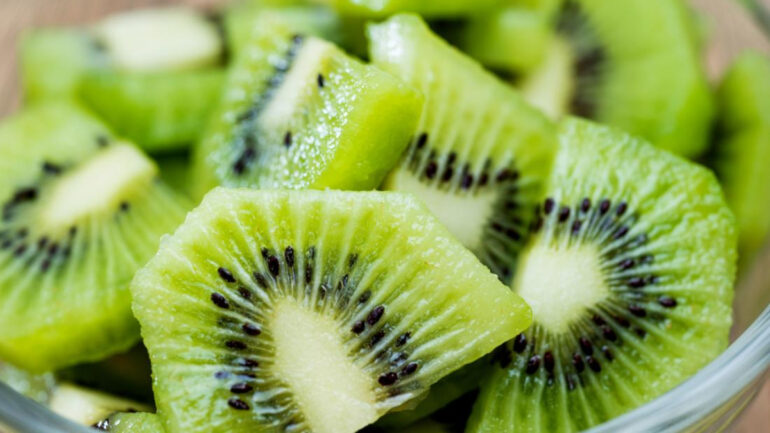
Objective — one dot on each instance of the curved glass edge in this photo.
(723, 388)
(19, 414)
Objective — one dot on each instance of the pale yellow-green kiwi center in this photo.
(560, 283)
(300, 83)
(465, 215)
(89, 407)
(97, 186)
(333, 394)
(551, 86)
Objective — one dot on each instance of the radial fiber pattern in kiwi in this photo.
(408, 302)
(64, 290)
(664, 242)
(478, 146)
(297, 112)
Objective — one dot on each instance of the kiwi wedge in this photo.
(140, 422)
(631, 64)
(297, 112)
(742, 148)
(480, 154)
(88, 407)
(630, 276)
(81, 212)
(426, 8)
(254, 281)
(153, 74)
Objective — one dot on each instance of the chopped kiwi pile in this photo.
(382, 216)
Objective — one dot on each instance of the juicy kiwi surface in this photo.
(151, 74)
(297, 112)
(426, 8)
(742, 148)
(631, 64)
(311, 311)
(132, 423)
(159, 111)
(629, 274)
(81, 212)
(480, 153)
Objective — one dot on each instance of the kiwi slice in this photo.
(88, 407)
(297, 112)
(160, 111)
(742, 148)
(480, 154)
(426, 8)
(632, 64)
(368, 282)
(38, 387)
(81, 211)
(140, 422)
(151, 73)
(630, 276)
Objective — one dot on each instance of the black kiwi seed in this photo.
(430, 170)
(238, 404)
(376, 338)
(244, 292)
(585, 344)
(273, 266)
(320, 80)
(593, 364)
(241, 388)
(533, 364)
(219, 300)
(234, 344)
(375, 315)
(548, 361)
(622, 207)
(667, 301)
(358, 327)
(221, 375)
(124, 206)
(421, 140)
(548, 205)
(409, 369)
(102, 141)
(287, 139)
(248, 363)
(577, 362)
(251, 329)
(585, 205)
(563, 214)
(520, 343)
(637, 310)
(403, 339)
(388, 379)
(288, 255)
(226, 275)
(364, 297)
(604, 206)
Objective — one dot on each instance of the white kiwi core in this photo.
(465, 215)
(160, 39)
(300, 83)
(331, 391)
(560, 283)
(551, 85)
(97, 186)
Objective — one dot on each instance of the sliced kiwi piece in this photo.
(89, 407)
(632, 64)
(480, 154)
(426, 8)
(160, 111)
(38, 387)
(297, 112)
(140, 422)
(742, 148)
(368, 282)
(81, 211)
(630, 276)
(508, 39)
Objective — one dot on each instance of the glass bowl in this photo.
(718, 398)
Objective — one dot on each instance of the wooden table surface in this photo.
(733, 33)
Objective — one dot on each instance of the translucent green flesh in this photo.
(667, 249)
(480, 154)
(426, 8)
(160, 112)
(350, 254)
(651, 82)
(64, 291)
(743, 148)
(294, 118)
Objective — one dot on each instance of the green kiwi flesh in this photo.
(81, 212)
(89, 407)
(426, 8)
(742, 148)
(480, 154)
(630, 276)
(297, 112)
(141, 422)
(631, 64)
(161, 112)
(255, 280)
